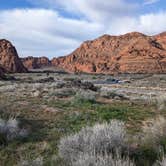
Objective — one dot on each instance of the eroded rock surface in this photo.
(9, 58)
(130, 53)
(35, 62)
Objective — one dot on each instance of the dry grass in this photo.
(9, 130)
(102, 160)
(36, 162)
(154, 130)
(161, 162)
(161, 102)
(50, 113)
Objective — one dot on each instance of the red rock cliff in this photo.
(130, 53)
(35, 62)
(9, 59)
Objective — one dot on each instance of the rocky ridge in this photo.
(9, 58)
(35, 62)
(130, 53)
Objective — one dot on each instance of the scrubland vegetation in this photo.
(67, 122)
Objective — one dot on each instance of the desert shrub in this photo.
(111, 94)
(94, 77)
(29, 78)
(99, 138)
(102, 160)
(161, 162)
(64, 93)
(161, 102)
(9, 88)
(60, 84)
(55, 160)
(69, 79)
(154, 131)
(9, 130)
(37, 86)
(36, 162)
(151, 142)
(82, 97)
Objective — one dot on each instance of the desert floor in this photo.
(52, 106)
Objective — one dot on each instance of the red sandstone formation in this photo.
(130, 53)
(35, 63)
(9, 59)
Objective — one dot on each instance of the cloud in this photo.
(94, 10)
(148, 24)
(41, 31)
(149, 2)
(144, 23)
(54, 32)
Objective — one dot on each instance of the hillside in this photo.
(35, 62)
(9, 58)
(130, 53)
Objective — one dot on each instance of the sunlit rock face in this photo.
(9, 58)
(130, 53)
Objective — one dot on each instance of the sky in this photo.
(55, 28)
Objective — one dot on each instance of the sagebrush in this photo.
(99, 138)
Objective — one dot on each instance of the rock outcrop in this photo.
(9, 59)
(161, 38)
(130, 53)
(35, 62)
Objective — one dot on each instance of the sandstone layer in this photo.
(9, 58)
(130, 53)
(35, 62)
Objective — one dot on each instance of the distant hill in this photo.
(35, 62)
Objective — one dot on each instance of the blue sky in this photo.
(55, 27)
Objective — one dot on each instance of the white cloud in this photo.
(143, 23)
(44, 31)
(95, 10)
(149, 2)
(153, 23)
